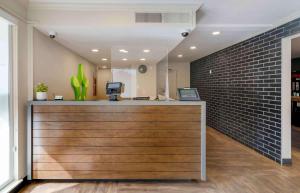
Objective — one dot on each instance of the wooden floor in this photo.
(231, 168)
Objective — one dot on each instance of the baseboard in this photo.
(20, 186)
(286, 162)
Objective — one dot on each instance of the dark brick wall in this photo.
(243, 93)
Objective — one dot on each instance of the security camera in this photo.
(185, 34)
(52, 34)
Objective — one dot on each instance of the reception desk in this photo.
(117, 140)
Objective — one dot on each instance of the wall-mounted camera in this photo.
(185, 33)
(52, 34)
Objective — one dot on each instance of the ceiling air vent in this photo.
(148, 17)
(162, 18)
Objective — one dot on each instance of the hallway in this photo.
(231, 168)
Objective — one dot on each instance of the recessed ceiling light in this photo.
(123, 51)
(215, 33)
(193, 47)
(104, 67)
(146, 51)
(95, 50)
(142, 59)
(104, 59)
(179, 55)
(124, 59)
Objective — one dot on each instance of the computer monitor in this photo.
(113, 90)
(188, 94)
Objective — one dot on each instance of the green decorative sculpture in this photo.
(80, 84)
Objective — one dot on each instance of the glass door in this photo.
(6, 129)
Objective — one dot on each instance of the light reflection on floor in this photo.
(55, 187)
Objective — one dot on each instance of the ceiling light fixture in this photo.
(146, 51)
(143, 59)
(104, 59)
(123, 51)
(179, 55)
(193, 47)
(95, 50)
(124, 59)
(215, 33)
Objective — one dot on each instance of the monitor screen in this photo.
(188, 94)
(114, 85)
(113, 88)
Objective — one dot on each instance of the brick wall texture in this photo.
(243, 92)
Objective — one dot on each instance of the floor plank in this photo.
(231, 168)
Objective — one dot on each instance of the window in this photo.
(6, 128)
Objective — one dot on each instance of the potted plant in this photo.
(41, 92)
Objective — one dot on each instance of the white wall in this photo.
(161, 77)
(22, 95)
(183, 73)
(54, 65)
(103, 76)
(178, 77)
(145, 83)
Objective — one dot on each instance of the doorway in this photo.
(290, 93)
(295, 106)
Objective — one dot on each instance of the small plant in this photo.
(41, 87)
(41, 92)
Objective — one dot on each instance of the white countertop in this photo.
(122, 102)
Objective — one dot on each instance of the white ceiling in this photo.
(296, 48)
(107, 24)
(135, 54)
(82, 25)
(236, 20)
